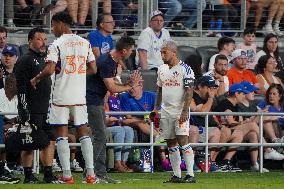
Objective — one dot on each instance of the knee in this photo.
(193, 130)
(237, 136)
(252, 137)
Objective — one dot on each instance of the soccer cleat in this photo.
(174, 179)
(66, 180)
(52, 180)
(8, 179)
(31, 180)
(74, 165)
(55, 166)
(91, 180)
(189, 179)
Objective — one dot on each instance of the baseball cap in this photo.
(237, 53)
(237, 87)
(249, 86)
(10, 50)
(156, 13)
(207, 81)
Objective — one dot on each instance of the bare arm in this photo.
(158, 99)
(96, 51)
(114, 87)
(92, 68)
(47, 71)
(142, 54)
(186, 105)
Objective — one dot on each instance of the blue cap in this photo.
(207, 81)
(249, 86)
(235, 88)
(9, 50)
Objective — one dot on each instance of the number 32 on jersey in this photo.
(75, 64)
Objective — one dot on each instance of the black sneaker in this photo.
(189, 179)
(174, 179)
(52, 180)
(31, 180)
(227, 166)
(108, 180)
(8, 179)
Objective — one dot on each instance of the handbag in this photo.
(27, 137)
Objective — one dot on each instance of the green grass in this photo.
(249, 180)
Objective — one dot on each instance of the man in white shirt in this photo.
(175, 89)
(69, 56)
(149, 43)
(219, 73)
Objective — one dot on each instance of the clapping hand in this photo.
(135, 78)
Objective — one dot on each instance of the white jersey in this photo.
(8, 106)
(71, 53)
(149, 41)
(173, 90)
(226, 79)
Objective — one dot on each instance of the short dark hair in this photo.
(101, 19)
(3, 30)
(220, 57)
(124, 43)
(223, 41)
(62, 17)
(33, 31)
(249, 31)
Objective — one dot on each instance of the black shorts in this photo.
(40, 121)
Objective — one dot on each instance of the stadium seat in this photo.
(185, 51)
(24, 49)
(206, 52)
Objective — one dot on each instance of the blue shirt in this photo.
(145, 103)
(96, 88)
(105, 44)
(263, 104)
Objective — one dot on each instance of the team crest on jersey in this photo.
(175, 74)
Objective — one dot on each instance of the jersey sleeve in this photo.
(107, 71)
(91, 56)
(53, 53)
(93, 40)
(188, 77)
(143, 42)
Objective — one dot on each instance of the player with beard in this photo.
(219, 73)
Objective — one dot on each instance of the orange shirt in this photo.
(237, 77)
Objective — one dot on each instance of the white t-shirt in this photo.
(173, 90)
(8, 106)
(71, 53)
(212, 61)
(226, 79)
(149, 41)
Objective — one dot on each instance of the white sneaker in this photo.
(273, 155)
(268, 29)
(277, 31)
(74, 165)
(55, 166)
(257, 168)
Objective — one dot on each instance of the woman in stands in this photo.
(266, 68)
(273, 103)
(270, 47)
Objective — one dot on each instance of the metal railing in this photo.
(145, 7)
(206, 144)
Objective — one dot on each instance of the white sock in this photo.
(87, 152)
(175, 160)
(188, 156)
(269, 22)
(63, 152)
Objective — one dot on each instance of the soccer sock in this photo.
(87, 152)
(63, 152)
(175, 159)
(188, 156)
(47, 171)
(28, 171)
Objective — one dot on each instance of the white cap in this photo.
(156, 13)
(237, 53)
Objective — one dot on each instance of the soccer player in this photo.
(68, 57)
(175, 88)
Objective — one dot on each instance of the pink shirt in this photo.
(251, 52)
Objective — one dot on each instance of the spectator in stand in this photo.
(265, 69)
(3, 39)
(8, 61)
(226, 46)
(249, 104)
(9, 13)
(121, 133)
(55, 7)
(33, 11)
(119, 8)
(270, 47)
(219, 73)
(273, 103)
(78, 10)
(8, 103)
(275, 12)
(175, 7)
(148, 54)
(248, 45)
(101, 39)
(203, 101)
(238, 72)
